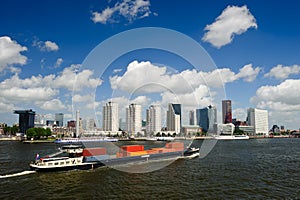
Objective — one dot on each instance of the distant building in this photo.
(134, 119)
(122, 124)
(174, 118)
(259, 120)
(59, 119)
(153, 119)
(50, 122)
(89, 124)
(248, 130)
(226, 112)
(71, 124)
(191, 130)
(226, 129)
(207, 118)
(111, 117)
(192, 117)
(26, 119)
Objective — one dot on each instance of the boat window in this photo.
(68, 162)
(61, 163)
(49, 164)
(56, 163)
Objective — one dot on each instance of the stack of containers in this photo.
(95, 154)
(131, 150)
(174, 146)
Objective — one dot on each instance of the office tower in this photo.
(174, 118)
(153, 119)
(26, 119)
(111, 117)
(192, 117)
(207, 119)
(226, 112)
(259, 120)
(59, 119)
(134, 119)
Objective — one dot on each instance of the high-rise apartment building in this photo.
(153, 119)
(174, 118)
(226, 112)
(192, 117)
(259, 120)
(134, 119)
(207, 119)
(110, 117)
(59, 119)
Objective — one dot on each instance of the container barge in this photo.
(77, 157)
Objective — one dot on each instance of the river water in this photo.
(245, 169)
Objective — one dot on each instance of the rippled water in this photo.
(261, 169)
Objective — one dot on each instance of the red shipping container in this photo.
(177, 145)
(94, 151)
(132, 148)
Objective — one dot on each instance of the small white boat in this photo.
(231, 137)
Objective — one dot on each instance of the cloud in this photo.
(43, 91)
(282, 72)
(58, 62)
(17, 94)
(282, 97)
(46, 46)
(54, 104)
(145, 77)
(10, 53)
(239, 114)
(70, 76)
(51, 46)
(248, 73)
(116, 71)
(83, 98)
(128, 9)
(6, 107)
(233, 21)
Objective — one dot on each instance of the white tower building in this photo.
(153, 119)
(110, 117)
(259, 120)
(134, 119)
(174, 118)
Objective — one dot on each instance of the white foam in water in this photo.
(17, 174)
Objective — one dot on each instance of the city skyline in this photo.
(41, 56)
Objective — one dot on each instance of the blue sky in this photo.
(43, 44)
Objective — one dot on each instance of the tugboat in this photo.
(77, 157)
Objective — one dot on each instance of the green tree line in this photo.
(38, 133)
(10, 130)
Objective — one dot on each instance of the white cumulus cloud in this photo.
(43, 91)
(283, 72)
(54, 104)
(234, 20)
(46, 45)
(128, 9)
(149, 78)
(10, 53)
(282, 97)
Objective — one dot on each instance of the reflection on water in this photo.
(264, 168)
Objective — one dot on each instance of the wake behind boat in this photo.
(77, 157)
